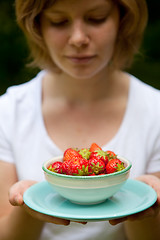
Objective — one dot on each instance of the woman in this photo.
(82, 95)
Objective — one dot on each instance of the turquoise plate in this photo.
(133, 197)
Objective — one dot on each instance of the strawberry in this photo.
(70, 153)
(56, 167)
(114, 165)
(96, 166)
(94, 146)
(110, 155)
(92, 174)
(78, 166)
(99, 155)
(65, 167)
(85, 153)
(87, 162)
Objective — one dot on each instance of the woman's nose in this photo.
(79, 35)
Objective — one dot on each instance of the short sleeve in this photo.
(153, 148)
(154, 160)
(6, 119)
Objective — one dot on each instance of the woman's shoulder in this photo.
(145, 98)
(18, 90)
(143, 88)
(20, 93)
(20, 99)
(144, 93)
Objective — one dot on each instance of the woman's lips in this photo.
(80, 59)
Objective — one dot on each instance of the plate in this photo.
(134, 197)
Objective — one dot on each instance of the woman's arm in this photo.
(146, 224)
(17, 221)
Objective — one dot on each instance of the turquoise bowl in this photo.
(86, 190)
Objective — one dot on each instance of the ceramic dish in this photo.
(86, 189)
(133, 197)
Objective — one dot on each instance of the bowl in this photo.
(86, 190)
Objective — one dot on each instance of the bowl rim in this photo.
(86, 177)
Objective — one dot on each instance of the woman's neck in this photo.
(84, 90)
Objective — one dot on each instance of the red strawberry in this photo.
(92, 174)
(78, 166)
(85, 153)
(94, 146)
(99, 155)
(56, 167)
(110, 155)
(70, 154)
(65, 167)
(114, 165)
(96, 166)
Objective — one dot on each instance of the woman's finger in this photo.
(44, 217)
(17, 190)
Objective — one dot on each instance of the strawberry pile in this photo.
(87, 162)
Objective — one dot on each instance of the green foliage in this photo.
(14, 51)
(147, 65)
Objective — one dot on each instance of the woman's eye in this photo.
(96, 20)
(59, 23)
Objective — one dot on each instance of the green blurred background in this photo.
(14, 51)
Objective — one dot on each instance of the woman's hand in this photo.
(154, 210)
(16, 199)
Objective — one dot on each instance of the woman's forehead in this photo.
(77, 4)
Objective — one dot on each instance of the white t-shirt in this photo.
(24, 141)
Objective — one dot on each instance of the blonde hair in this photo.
(133, 20)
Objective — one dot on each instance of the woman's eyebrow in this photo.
(50, 13)
(106, 5)
(101, 7)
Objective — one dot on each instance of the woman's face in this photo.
(81, 35)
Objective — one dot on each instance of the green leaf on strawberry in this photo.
(114, 165)
(85, 153)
